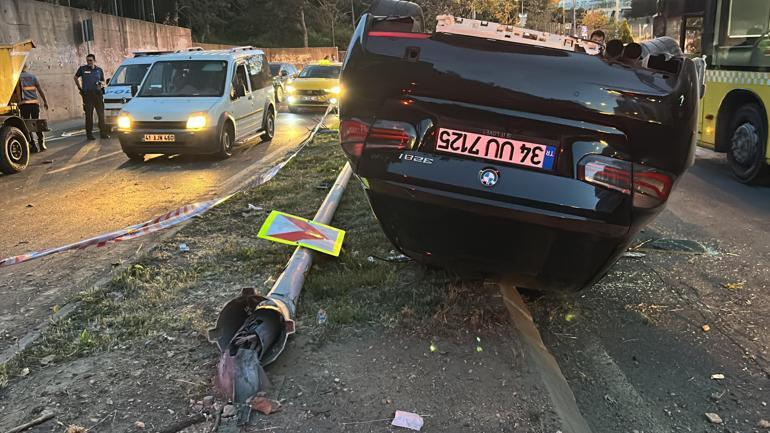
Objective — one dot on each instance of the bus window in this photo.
(743, 33)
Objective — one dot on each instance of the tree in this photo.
(625, 32)
(595, 19)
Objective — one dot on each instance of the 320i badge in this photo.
(537, 161)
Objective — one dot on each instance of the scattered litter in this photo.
(323, 185)
(433, 347)
(321, 317)
(251, 207)
(706, 328)
(336, 380)
(394, 257)
(370, 259)
(478, 345)
(738, 285)
(24, 371)
(264, 405)
(139, 425)
(713, 418)
(718, 376)
(633, 254)
(408, 420)
(183, 248)
(763, 423)
(72, 428)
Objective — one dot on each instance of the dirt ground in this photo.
(133, 356)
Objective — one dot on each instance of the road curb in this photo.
(541, 359)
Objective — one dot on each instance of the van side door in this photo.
(261, 85)
(242, 103)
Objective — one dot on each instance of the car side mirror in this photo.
(134, 90)
(108, 80)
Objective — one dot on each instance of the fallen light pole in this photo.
(252, 329)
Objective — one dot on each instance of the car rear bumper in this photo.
(201, 142)
(531, 247)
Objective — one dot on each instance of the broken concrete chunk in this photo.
(763, 423)
(228, 411)
(718, 376)
(713, 418)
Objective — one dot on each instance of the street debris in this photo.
(713, 418)
(183, 248)
(675, 245)
(251, 207)
(24, 371)
(30, 205)
(44, 416)
(763, 423)
(293, 230)
(264, 405)
(321, 317)
(408, 420)
(433, 347)
(478, 345)
(717, 376)
(139, 425)
(47, 359)
(706, 328)
(72, 428)
(633, 254)
(228, 411)
(394, 257)
(738, 285)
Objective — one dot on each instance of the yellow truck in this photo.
(15, 132)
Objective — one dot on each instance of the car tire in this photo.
(279, 94)
(14, 155)
(269, 126)
(135, 156)
(747, 146)
(226, 142)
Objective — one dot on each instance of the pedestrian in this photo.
(90, 86)
(29, 104)
(598, 36)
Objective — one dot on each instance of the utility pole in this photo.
(617, 11)
(152, 9)
(563, 18)
(115, 4)
(353, 13)
(574, 20)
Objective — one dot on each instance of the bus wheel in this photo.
(748, 146)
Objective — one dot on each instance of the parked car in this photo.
(282, 73)
(318, 85)
(200, 103)
(124, 83)
(494, 150)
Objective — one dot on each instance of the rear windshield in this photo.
(274, 69)
(185, 78)
(129, 75)
(316, 71)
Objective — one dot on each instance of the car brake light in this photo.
(649, 186)
(386, 134)
(352, 136)
(404, 35)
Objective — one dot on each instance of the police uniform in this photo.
(92, 97)
(30, 105)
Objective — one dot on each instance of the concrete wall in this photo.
(56, 31)
(295, 56)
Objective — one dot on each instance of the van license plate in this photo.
(496, 148)
(159, 138)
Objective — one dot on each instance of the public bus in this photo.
(734, 35)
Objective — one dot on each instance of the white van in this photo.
(199, 103)
(129, 74)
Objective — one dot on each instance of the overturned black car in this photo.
(514, 153)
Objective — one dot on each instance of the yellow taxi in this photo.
(318, 85)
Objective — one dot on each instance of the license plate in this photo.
(159, 137)
(496, 148)
(311, 98)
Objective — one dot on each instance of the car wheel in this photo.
(134, 156)
(226, 141)
(269, 126)
(14, 155)
(279, 94)
(747, 146)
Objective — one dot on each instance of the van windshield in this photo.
(185, 78)
(129, 75)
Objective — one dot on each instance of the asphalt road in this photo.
(640, 348)
(78, 188)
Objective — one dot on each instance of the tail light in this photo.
(383, 135)
(649, 186)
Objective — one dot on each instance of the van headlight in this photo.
(124, 122)
(336, 90)
(196, 121)
(291, 89)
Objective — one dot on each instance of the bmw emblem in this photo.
(489, 177)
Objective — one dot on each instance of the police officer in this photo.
(92, 79)
(29, 105)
